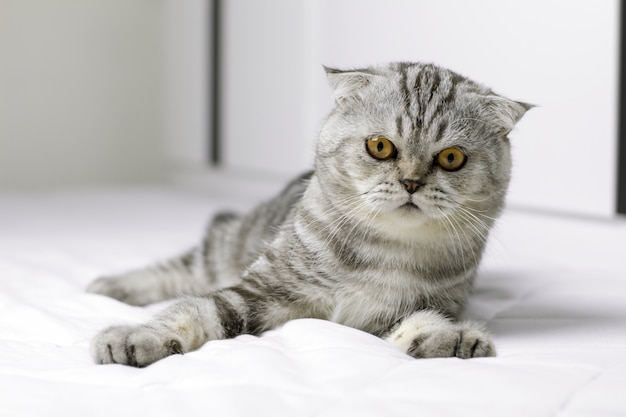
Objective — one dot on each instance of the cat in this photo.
(384, 235)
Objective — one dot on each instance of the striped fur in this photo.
(347, 242)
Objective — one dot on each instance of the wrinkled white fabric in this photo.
(551, 290)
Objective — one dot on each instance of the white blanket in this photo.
(551, 290)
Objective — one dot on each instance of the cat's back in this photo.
(233, 242)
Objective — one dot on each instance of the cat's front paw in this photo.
(429, 335)
(458, 341)
(134, 345)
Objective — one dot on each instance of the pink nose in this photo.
(411, 185)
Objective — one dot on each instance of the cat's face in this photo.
(411, 143)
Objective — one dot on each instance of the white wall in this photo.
(270, 119)
(81, 92)
(559, 54)
(115, 91)
(186, 46)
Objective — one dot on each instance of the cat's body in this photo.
(385, 235)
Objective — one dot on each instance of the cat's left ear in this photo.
(505, 113)
(347, 84)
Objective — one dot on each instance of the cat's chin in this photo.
(407, 222)
(409, 215)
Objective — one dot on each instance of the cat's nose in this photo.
(411, 185)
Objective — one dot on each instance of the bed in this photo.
(551, 289)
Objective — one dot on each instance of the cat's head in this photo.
(413, 143)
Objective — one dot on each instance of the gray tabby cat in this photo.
(411, 170)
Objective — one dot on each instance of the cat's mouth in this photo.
(409, 206)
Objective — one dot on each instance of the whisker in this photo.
(460, 246)
(489, 231)
(456, 221)
(472, 223)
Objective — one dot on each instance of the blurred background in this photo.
(228, 95)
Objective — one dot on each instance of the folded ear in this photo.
(346, 84)
(505, 113)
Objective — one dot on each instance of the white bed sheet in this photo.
(551, 290)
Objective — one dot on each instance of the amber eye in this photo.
(451, 159)
(381, 148)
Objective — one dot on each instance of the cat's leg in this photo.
(428, 334)
(187, 325)
(176, 277)
(208, 266)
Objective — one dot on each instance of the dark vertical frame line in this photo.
(215, 77)
(621, 140)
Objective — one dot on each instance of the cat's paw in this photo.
(134, 345)
(433, 336)
(121, 288)
(109, 287)
(457, 341)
